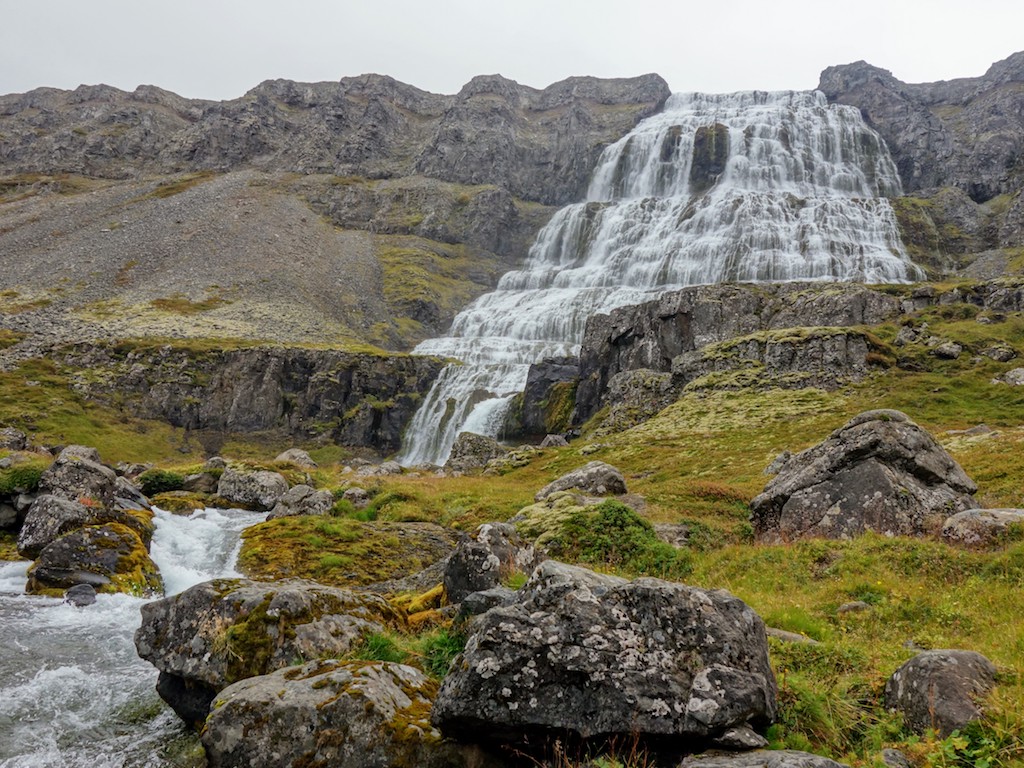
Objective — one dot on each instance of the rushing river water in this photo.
(73, 692)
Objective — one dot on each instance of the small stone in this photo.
(357, 497)
(854, 606)
(80, 595)
(950, 350)
(554, 441)
(298, 457)
(741, 737)
(1000, 354)
(893, 758)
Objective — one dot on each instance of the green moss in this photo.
(9, 546)
(23, 475)
(154, 481)
(559, 406)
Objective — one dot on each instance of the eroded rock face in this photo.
(879, 472)
(597, 478)
(598, 655)
(495, 551)
(359, 714)
(226, 630)
(981, 527)
(259, 490)
(940, 689)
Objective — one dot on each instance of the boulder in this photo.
(595, 478)
(553, 441)
(494, 552)
(259, 489)
(782, 758)
(596, 655)
(473, 451)
(51, 517)
(129, 498)
(357, 497)
(383, 469)
(1015, 378)
(110, 557)
(298, 457)
(200, 482)
(949, 350)
(12, 439)
(879, 472)
(981, 527)
(302, 500)
(80, 595)
(226, 630)
(358, 714)
(940, 689)
(76, 474)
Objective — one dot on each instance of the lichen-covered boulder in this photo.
(940, 689)
(12, 439)
(472, 451)
(77, 475)
(597, 478)
(226, 630)
(494, 552)
(981, 527)
(302, 500)
(298, 457)
(762, 758)
(259, 489)
(358, 714)
(879, 472)
(596, 655)
(111, 557)
(51, 517)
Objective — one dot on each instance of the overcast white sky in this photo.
(219, 49)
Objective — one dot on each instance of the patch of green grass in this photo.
(154, 481)
(172, 187)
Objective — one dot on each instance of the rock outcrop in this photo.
(597, 655)
(359, 714)
(471, 451)
(940, 689)
(258, 489)
(879, 472)
(226, 630)
(302, 500)
(495, 551)
(348, 398)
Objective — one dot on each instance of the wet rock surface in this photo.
(879, 472)
(597, 655)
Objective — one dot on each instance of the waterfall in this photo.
(73, 691)
(750, 186)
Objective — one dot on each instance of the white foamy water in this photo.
(786, 187)
(73, 692)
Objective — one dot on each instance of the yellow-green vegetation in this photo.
(182, 305)
(331, 550)
(173, 187)
(22, 476)
(38, 399)
(8, 546)
(13, 302)
(20, 186)
(9, 338)
(431, 652)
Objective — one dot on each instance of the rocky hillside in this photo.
(959, 147)
(364, 210)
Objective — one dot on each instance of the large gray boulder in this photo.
(940, 689)
(879, 472)
(480, 562)
(596, 655)
(259, 489)
(762, 758)
(302, 500)
(596, 478)
(980, 527)
(226, 630)
(472, 451)
(77, 475)
(355, 714)
(51, 517)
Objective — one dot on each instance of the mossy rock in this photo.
(339, 551)
(183, 502)
(111, 557)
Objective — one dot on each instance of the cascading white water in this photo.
(73, 691)
(739, 187)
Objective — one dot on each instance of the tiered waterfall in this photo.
(750, 186)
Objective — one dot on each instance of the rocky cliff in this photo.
(363, 210)
(959, 147)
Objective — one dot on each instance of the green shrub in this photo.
(437, 649)
(380, 647)
(611, 533)
(154, 481)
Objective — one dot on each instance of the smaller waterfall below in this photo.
(73, 691)
(737, 187)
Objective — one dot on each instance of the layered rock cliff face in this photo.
(959, 147)
(298, 394)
